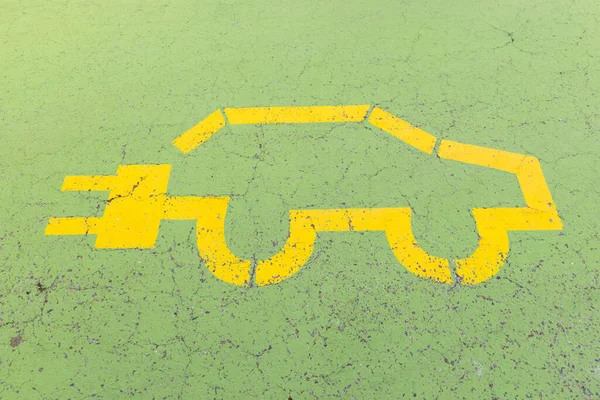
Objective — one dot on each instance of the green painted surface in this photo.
(88, 85)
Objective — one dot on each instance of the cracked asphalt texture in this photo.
(88, 85)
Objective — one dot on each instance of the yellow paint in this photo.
(401, 129)
(380, 118)
(132, 211)
(72, 226)
(493, 224)
(210, 214)
(395, 222)
(289, 115)
(84, 183)
(137, 202)
(200, 133)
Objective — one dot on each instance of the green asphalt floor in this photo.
(87, 86)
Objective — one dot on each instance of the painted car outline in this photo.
(138, 201)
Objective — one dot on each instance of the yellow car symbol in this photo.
(138, 201)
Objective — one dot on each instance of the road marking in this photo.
(200, 133)
(404, 131)
(493, 224)
(137, 202)
(395, 222)
(296, 115)
(380, 118)
(72, 226)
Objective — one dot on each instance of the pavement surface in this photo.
(299, 199)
